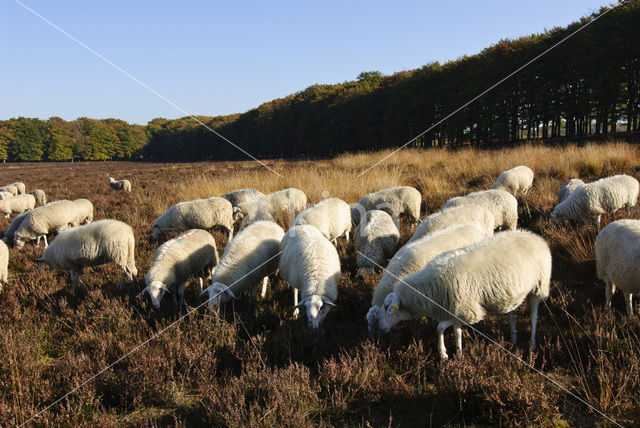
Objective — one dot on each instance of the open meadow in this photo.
(252, 364)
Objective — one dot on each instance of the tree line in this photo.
(587, 86)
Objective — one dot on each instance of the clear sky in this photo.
(215, 58)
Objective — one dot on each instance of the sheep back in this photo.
(196, 214)
(394, 201)
(568, 187)
(501, 203)
(332, 217)
(477, 215)
(376, 239)
(241, 196)
(519, 178)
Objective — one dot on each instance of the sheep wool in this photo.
(376, 239)
(9, 189)
(196, 214)
(5, 195)
(331, 216)
(17, 204)
(120, 184)
(53, 217)
(394, 201)
(41, 197)
(519, 178)
(20, 187)
(4, 264)
(283, 206)
(568, 187)
(238, 197)
(83, 212)
(502, 204)
(476, 215)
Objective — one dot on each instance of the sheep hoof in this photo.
(296, 313)
(444, 356)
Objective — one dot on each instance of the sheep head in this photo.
(216, 292)
(391, 313)
(156, 292)
(317, 308)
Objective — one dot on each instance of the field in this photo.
(251, 364)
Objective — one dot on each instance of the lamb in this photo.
(20, 187)
(617, 253)
(17, 204)
(502, 204)
(331, 216)
(238, 197)
(53, 217)
(590, 200)
(4, 264)
(15, 223)
(280, 205)
(98, 243)
(41, 197)
(394, 201)
(517, 178)
(376, 240)
(191, 253)
(415, 255)
(490, 277)
(196, 214)
(120, 184)
(476, 215)
(568, 187)
(10, 188)
(311, 266)
(247, 261)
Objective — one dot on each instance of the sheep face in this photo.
(317, 308)
(215, 292)
(155, 232)
(18, 243)
(156, 292)
(391, 313)
(237, 214)
(372, 319)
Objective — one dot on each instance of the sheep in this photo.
(98, 243)
(120, 184)
(4, 264)
(41, 197)
(590, 200)
(280, 205)
(53, 217)
(17, 204)
(517, 178)
(476, 215)
(490, 277)
(568, 187)
(376, 239)
(311, 266)
(247, 261)
(502, 204)
(238, 197)
(20, 187)
(394, 201)
(83, 212)
(617, 251)
(196, 214)
(5, 195)
(15, 223)
(415, 255)
(331, 216)
(191, 253)
(10, 188)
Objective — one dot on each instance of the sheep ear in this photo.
(394, 303)
(144, 290)
(328, 302)
(229, 292)
(205, 291)
(300, 303)
(165, 288)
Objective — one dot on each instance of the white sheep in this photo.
(618, 260)
(394, 201)
(476, 215)
(238, 197)
(196, 214)
(192, 253)
(4, 264)
(20, 187)
(247, 262)
(591, 200)
(41, 197)
(501, 203)
(53, 217)
(331, 216)
(98, 243)
(83, 212)
(5, 195)
(10, 188)
(491, 277)
(376, 239)
(517, 178)
(568, 187)
(17, 204)
(415, 255)
(120, 184)
(283, 205)
(311, 266)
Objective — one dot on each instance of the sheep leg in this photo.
(598, 221)
(296, 311)
(609, 290)
(628, 301)
(514, 336)
(334, 242)
(46, 244)
(533, 308)
(230, 236)
(457, 328)
(442, 326)
(346, 235)
(265, 283)
(200, 282)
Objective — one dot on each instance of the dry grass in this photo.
(252, 365)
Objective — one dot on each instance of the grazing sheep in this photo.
(490, 277)
(247, 261)
(415, 255)
(394, 201)
(591, 200)
(41, 197)
(238, 197)
(120, 184)
(15, 223)
(376, 239)
(196, 214)
(98, 243)
(193, 253)
(17, 204)
(568, 187)
(20, 187)
(617, 260)
(311, 266)
(10, 188)
(282, 205)
(502, 204)
(53, 217)
(476, 215)
(5, 195)
(4, 264)
(517, 178)
(83, 212)
(331, 216)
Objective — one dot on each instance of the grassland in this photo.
(251, 364)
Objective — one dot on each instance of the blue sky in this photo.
(216, 58)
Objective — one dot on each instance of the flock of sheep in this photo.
(462, 263)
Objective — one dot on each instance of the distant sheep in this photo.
(20, 187)
(5, 195)
(98, 243)
(193, 253)
(568, 187)
(591, 200)
(41, 197)
(394, 201)
(238, 197)
(53, 217)
(376, 239)
(476, 215)
(517, 178)
(17, 204)
(9, 189)
(4, 264)
(491, 277)
(196, 214)
(283, 205)
(120, 184)
(247, 262)
(501, 203)
(331, 216)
